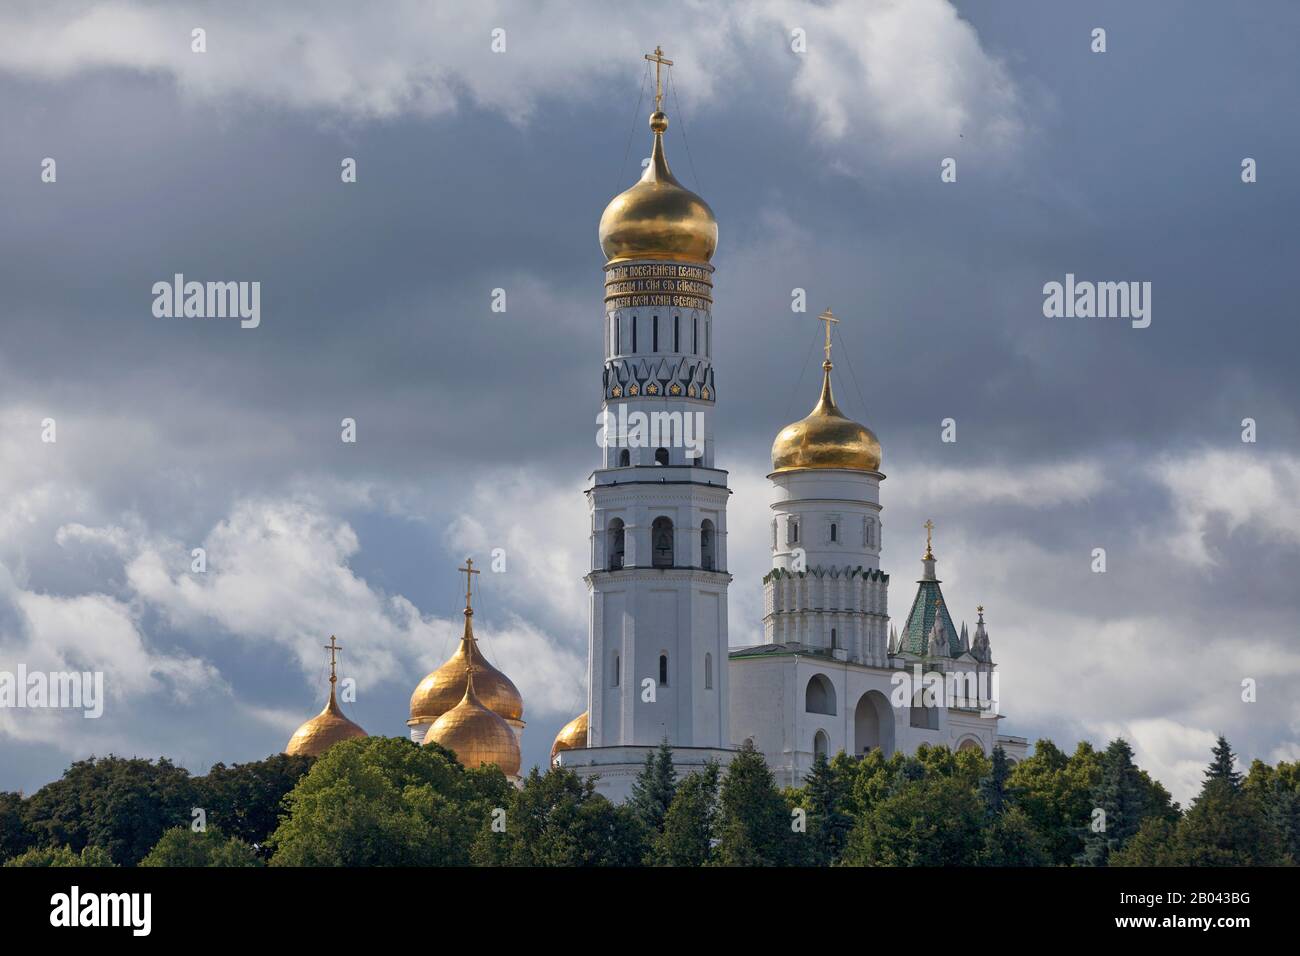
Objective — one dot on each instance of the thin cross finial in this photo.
(469, 583)
(657, 58)
(829, 318)
(929, 530)
(333, 647)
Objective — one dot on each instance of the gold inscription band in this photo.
(659, 284)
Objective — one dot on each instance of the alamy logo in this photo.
(75, 690)
(639, 429)
(963, 689)
(1101, 300)
(209, 300)
(103, 909)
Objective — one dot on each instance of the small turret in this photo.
(938, 643)
(980, 649)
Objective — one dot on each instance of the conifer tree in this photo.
(824, 799)
(653, 789)
(753, 824)
(994, 789)
(1122, 796)
(690, 826)
(1227, 824)
(1222, 767)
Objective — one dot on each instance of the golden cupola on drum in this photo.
(572, 736)
(328, 727)
(826, 438)
(475, 734)
(445, 688)
(658, 218)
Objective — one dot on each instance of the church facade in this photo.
(831, 673)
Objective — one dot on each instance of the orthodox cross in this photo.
(333, 647)
(929, 529)
(829, 318)
(469, 580)
(657, 58)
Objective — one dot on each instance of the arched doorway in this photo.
(873, 724)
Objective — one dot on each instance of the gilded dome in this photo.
(658, 218)
(441, 690)
(323, 731)
(475, 734)
(826, 439)
(572, 736)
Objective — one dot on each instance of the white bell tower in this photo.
(657, 642)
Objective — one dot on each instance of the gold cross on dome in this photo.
(929, 530)
(333, 647)
(829, 318)
(469, 580)
(657, 58)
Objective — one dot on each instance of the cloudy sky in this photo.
(479, 170)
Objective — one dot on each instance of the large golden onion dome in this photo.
(658, 218)
(475, 734)
(328, 727)
(572, 736)
(826, 439)
(441, 690)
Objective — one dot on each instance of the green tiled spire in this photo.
(914, 638)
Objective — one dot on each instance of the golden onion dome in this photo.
(658, 218)
(572, 736)
(323, 731)
(441, 690)
(826, 439)
(475, 734)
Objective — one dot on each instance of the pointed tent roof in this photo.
(928, 605)
(915, 635)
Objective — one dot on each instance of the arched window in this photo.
(821, 744)
(706, 545)
(617, 537)
(663, 670)
(835, 532)
(618, 335)
(794, 531)
(677, 328)
(634, 333)
(624, 458)
(656, 333)
(819, 698)
(708, 672)
(695, 336)
(617, 670)
(661, 456)
(661, 537)
(834, 639)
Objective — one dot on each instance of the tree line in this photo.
(383, 801)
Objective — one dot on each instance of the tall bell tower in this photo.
(657, 640)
